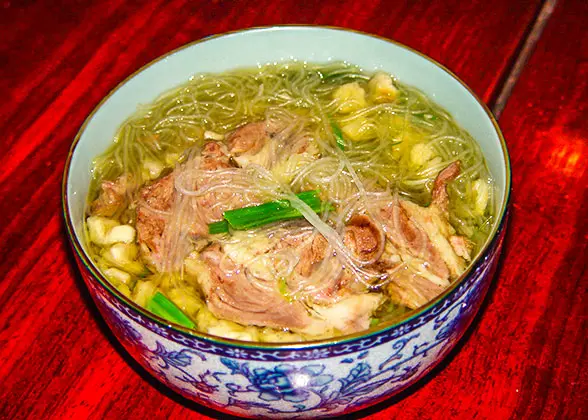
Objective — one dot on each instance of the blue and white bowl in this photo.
(313, 379)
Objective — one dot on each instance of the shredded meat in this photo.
(248, 139)
(267, 143)
(312, 251)
(214, 157)
(412, 290)
(234, 294)
(351, 314)
(418, 235)
(406, 235)
(363, 238)
(156, 199)
(440, 198)
(230, 295)
(461, 246)
(159, 195)
(312, 255)
(425, 232)
(437, 228)
(111, 198)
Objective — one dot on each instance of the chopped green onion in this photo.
(218, 227)
(374, 322)
(274, 211)
(251, 217)
(165, 308)
(338, 135)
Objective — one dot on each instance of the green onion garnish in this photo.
(274, 211)
(338, 135)
(218, 227)
(165, 308)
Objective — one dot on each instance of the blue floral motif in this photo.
(120, 325)
(359, 374)
(363, 355)
(237, 353)
(276, 384)
(180, 361)
(282, 382)
(297, 385)
(126, 332)
(396, 356)
(180, 358)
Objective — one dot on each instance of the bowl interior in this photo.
(277, 44)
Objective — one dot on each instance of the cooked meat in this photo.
(411, 290)
(425, 232)
(214, 156)
(453, 249)
(461, 246)
(248, 139)
(156, 201)
(159, 195)
(351, 314)
(411, 239)
(440, 198)
(111, 197)
(250, 144)
(311, 255)
(363, 238)
(437, 230)
(231, 295)
(211, 206)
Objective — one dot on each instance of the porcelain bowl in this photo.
(314, 379)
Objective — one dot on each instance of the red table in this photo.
(525, 355)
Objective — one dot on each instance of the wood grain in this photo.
(58, 59)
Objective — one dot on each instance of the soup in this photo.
(288, 202)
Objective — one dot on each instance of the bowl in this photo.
(313, 379)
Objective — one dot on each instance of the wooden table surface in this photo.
(525, 355)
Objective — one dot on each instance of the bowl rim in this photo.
(86, 260)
